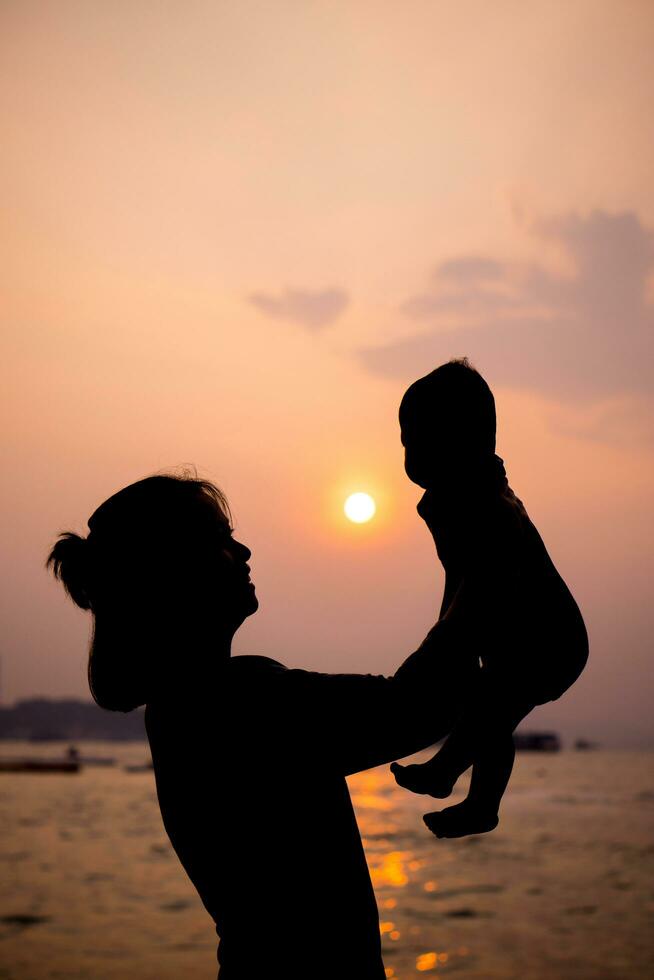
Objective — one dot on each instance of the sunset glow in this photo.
(238, 232)
(359, 508)
(239, 241)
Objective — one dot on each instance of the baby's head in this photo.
(447, 420)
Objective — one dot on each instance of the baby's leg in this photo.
(437, 776)
(493, 763)
(478, 813)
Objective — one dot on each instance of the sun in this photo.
(359, 508)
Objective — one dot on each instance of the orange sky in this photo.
(235, 232)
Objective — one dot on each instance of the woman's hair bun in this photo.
(69, 561)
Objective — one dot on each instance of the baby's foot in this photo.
(425, 778)
(461, 820)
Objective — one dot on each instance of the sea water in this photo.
(562, 890)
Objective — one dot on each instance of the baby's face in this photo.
(420, 457)
(423, 433)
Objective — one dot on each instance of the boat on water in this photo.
(89, 760)
(139, 767)
(584, 745)
(39, 765)
(536, 742)
(72, 761)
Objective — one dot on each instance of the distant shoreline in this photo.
(68, 719)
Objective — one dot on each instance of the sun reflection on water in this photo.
(390, 870)
(413, 874)
(371, 801)
(429, 961)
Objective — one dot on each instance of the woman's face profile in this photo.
(227, 561)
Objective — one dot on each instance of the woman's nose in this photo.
(242, 551)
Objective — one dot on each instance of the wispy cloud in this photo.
(313, 309)
(470, 268)
(584, 338)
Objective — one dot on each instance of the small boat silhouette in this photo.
(536, 742)
(584, 745)
(74, 755)
(39, 765)
(139, 767)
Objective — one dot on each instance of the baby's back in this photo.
(547, 644)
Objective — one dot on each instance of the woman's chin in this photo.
(251, 602)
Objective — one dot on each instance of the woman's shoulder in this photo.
(250, 673)
(252, 665)
(231, 695)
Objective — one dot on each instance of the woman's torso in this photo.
(266, 832)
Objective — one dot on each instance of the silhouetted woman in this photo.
(250, 757)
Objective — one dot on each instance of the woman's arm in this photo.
(356, 721)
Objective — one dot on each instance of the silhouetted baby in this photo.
(484, 536)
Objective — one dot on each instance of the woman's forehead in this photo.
(210, 510)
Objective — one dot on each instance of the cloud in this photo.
(313, 309)
(584, 338)
(470, 268)
(628, 420)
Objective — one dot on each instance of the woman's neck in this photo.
(187, 663)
